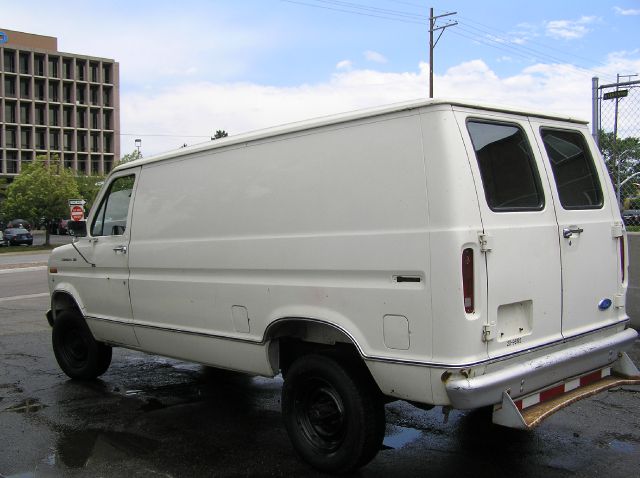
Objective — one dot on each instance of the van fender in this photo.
(66, 296)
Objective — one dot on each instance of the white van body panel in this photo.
(352, 228)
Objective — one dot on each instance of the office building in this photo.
(56, 103)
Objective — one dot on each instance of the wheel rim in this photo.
(75, 348)
(320, 414)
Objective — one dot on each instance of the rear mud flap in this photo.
(507, 413)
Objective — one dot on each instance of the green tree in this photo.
(625, 150)
(132, 156)
(41, 191)
(220, 133)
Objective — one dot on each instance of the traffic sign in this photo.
(77, 213)
(77, 202)
(615, 94)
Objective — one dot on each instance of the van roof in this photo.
(337, 119)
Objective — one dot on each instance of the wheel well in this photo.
(292, 338)
(61, 302)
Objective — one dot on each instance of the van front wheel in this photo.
(332, 413)
(79, 355)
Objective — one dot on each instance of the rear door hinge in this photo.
(488, 332)
(485, 242)
(616, 230)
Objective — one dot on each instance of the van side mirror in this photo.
(77, 228)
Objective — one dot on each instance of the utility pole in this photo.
(432, 45)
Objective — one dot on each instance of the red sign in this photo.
(77, 213)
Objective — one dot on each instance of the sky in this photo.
(192, 67)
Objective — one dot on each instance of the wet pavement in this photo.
(150, 416)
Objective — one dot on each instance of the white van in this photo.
(439, 252)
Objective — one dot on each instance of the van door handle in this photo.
(568, 232)
(122, 249)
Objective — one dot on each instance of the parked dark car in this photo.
(15, 236)
(631, 217)
(19, 223)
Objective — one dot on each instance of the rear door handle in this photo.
(122, 249)
(568, 232)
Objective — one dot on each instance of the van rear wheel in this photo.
(79, 355)
(333, 414)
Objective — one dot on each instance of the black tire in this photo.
(333, 413)
(79, 355)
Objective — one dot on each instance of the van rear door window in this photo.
(573, 169)
(507, 166)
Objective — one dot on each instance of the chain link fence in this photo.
(616, 121)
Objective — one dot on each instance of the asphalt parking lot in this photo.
(152, 416)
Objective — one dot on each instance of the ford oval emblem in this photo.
(604, 304)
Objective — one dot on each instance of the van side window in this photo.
(573, 169)
(111, 219)
(507, 167)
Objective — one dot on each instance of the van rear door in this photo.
(589, 235)
(523, 303)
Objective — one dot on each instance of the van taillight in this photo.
(467, 280)
(622, 257)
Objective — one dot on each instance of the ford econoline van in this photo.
(439, 252)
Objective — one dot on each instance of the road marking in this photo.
(27, 296)
(23, 269)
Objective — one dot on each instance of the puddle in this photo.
(79, 447)
(26, 406)
(402, 436)
(622, 446)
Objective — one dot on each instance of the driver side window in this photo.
(111, 218)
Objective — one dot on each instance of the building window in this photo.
(10, 61)
(67, 93)
(67, 68)
(25, 138)
(80, 97)
(95, 119)
(93, 95)
(24, 63)
(82, 142)
(107, 120)
(95, 142)
(68, 140)
(94, 72)
(68, 162)
(108, 140)
(82, 166)
(9, 112)
(12, 163)
(40, 114)
(41, 136)
(25, 84)
(53, 67)
(38, 65)
(9, 86)
(80, 118)
(67, 114)
(54, 141)
(10, 139)
(25, 113)
(106, 73)
(80, 70)
(106, 96)
(53, 116)
(54, 86)
(39, 90)
(95, 165)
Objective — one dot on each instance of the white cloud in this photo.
(626, 12)
(198, 109)
(569, 29)
(374, 56)
(344, 65)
